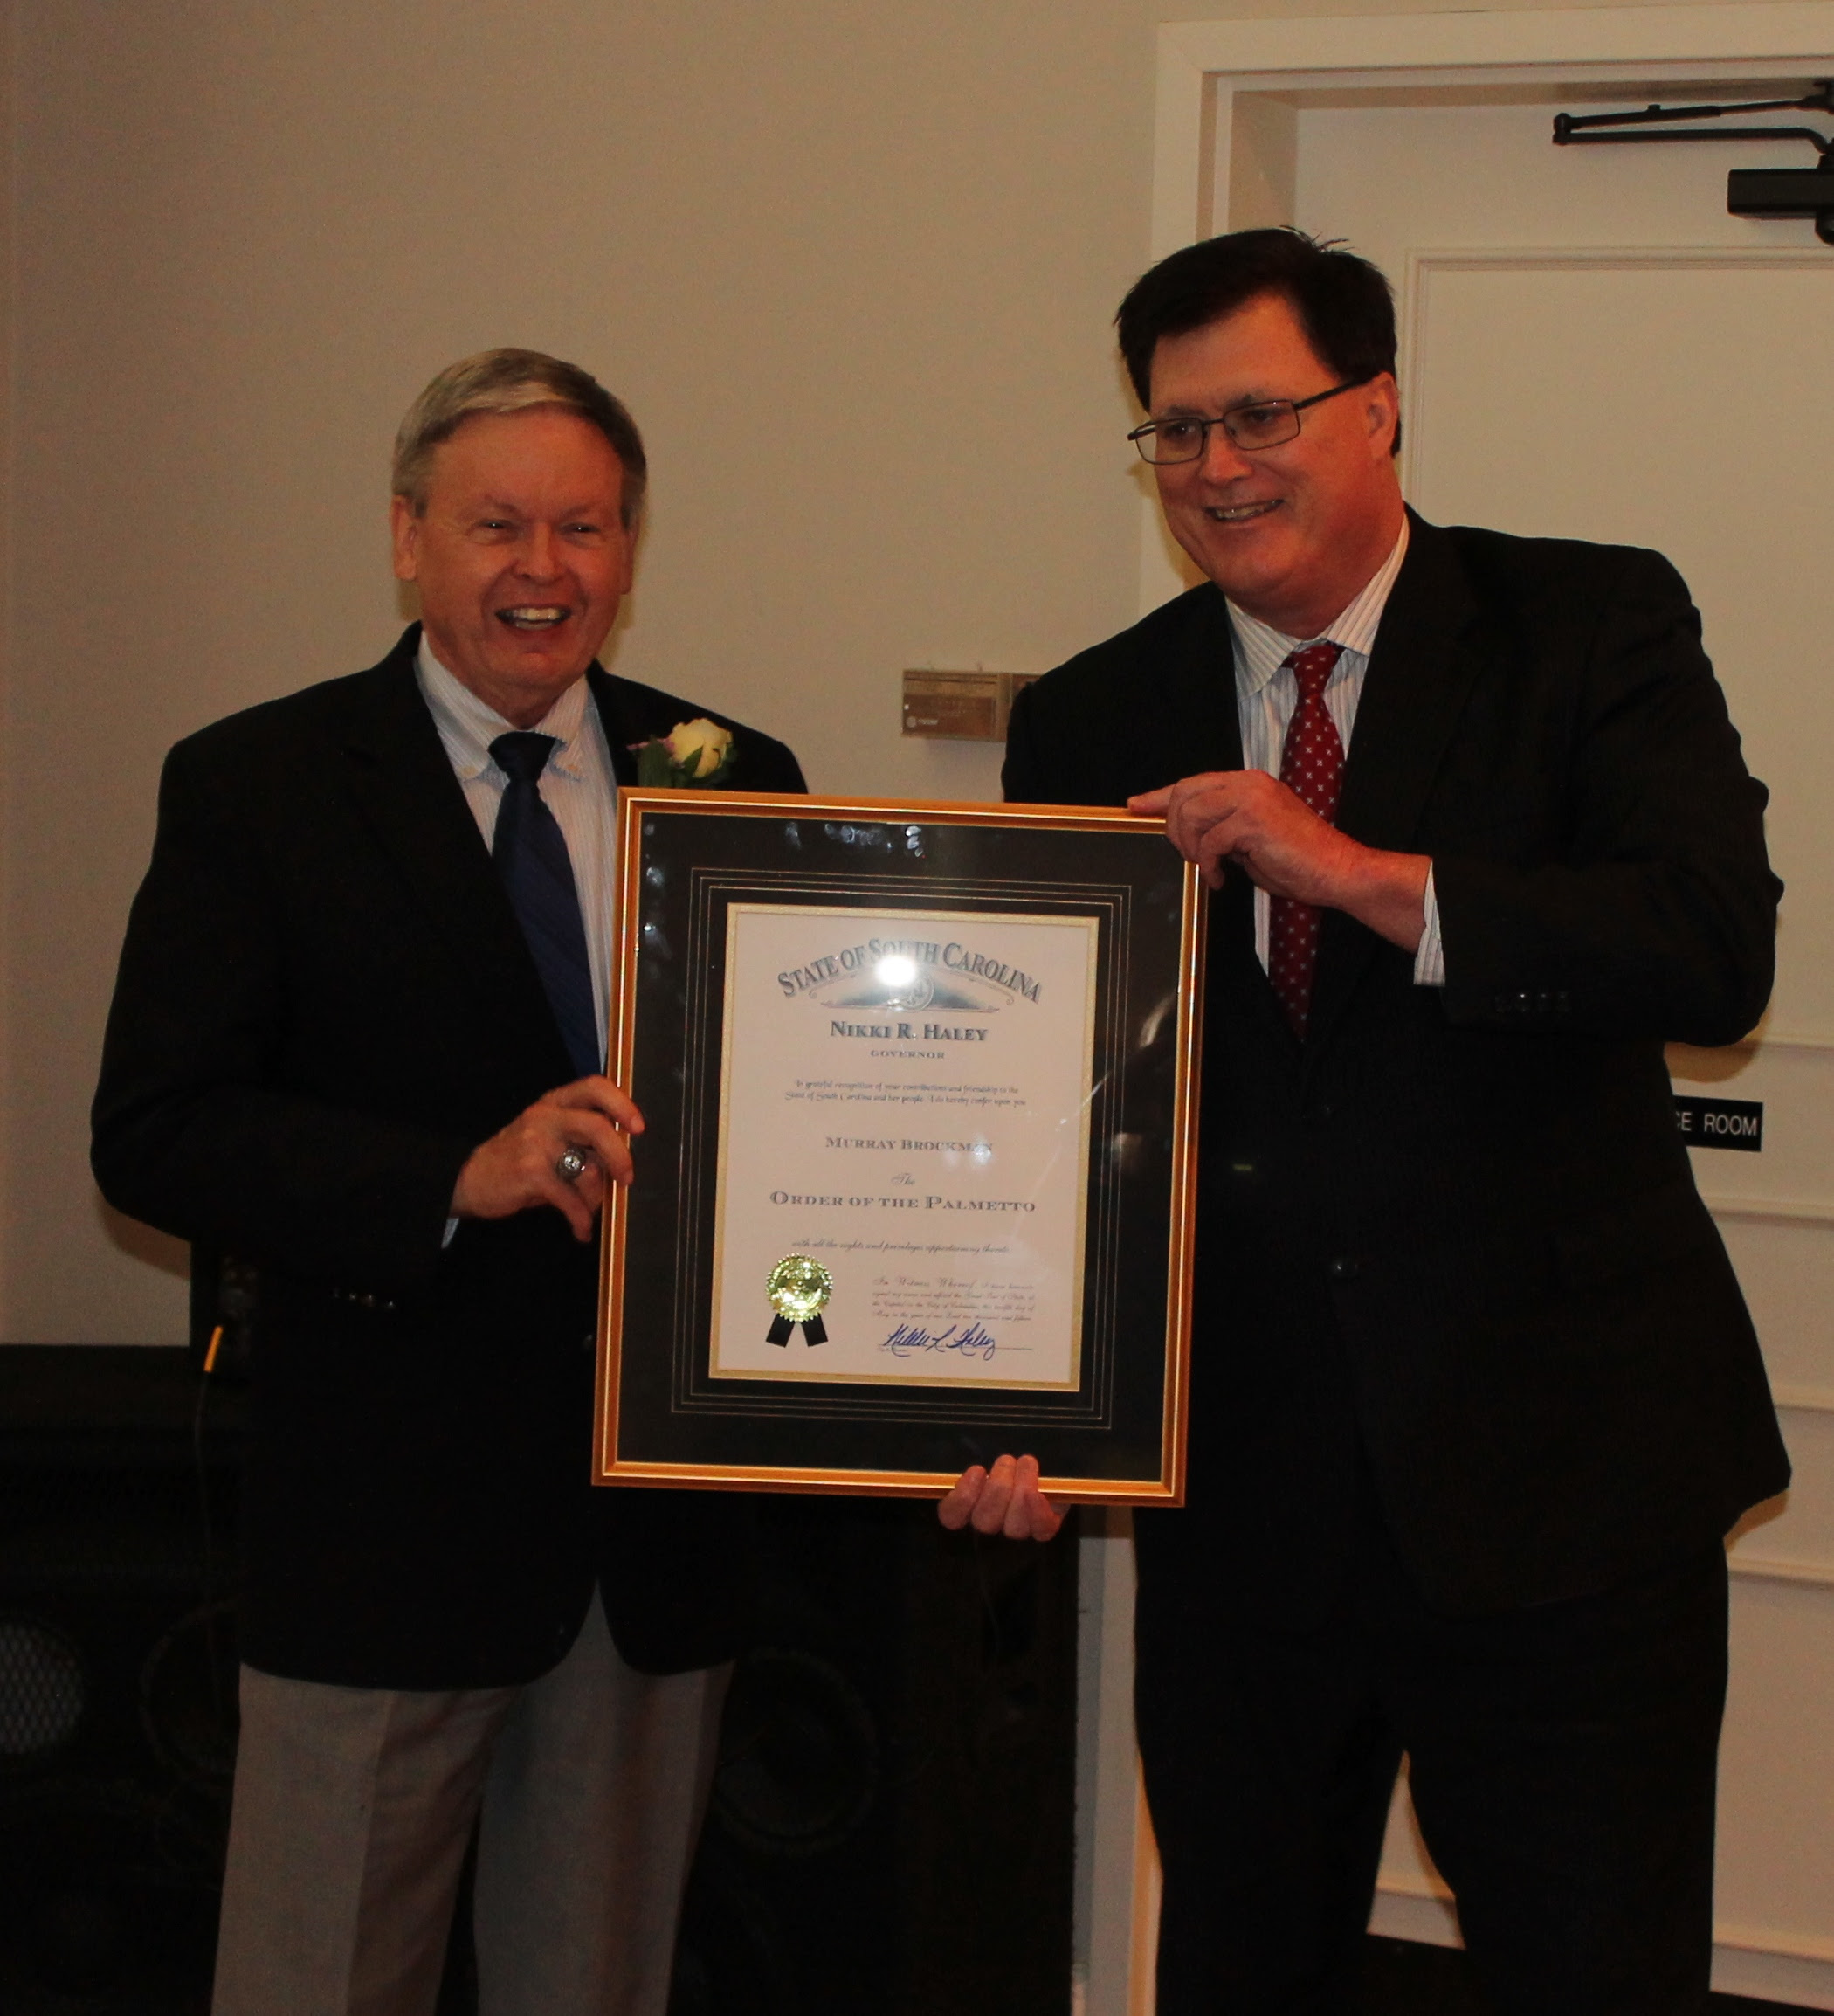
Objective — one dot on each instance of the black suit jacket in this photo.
(325, 1002)
(1451, 1247)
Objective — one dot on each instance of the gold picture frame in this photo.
(1037, 969)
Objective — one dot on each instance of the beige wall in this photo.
(829, 251)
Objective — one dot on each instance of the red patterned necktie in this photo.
(1311, 764)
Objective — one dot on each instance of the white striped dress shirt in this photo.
(1266, 694)
(578, 787)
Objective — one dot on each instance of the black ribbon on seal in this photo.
(798, 1288)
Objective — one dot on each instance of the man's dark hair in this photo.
(1344, 304)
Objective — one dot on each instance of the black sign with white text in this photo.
(1721, 1122)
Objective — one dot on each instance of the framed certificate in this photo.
(916, 1185)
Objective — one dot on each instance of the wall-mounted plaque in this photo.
(916, 1183)
(962, 706)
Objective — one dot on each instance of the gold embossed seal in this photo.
(798, 1288)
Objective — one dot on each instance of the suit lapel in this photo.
(622, 727)
(631, 714)
(1420, 675)
(403, 783)
(1199, 728)
(1201, 724)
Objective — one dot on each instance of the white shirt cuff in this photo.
(1429, 960)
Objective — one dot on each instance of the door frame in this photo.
(1224, 157)
(1224, 147)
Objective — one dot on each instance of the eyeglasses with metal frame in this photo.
(1261, 424)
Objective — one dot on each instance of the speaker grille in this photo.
(188, 1697)
(43, 1692)
(799, 1763)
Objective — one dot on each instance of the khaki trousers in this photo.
(353, 1808)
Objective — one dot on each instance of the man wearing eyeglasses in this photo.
(1474, 1395)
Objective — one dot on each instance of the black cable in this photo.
(207, 1527)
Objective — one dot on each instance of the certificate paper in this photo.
(904, 1099)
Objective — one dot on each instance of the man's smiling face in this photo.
(520, 555)
(1290, 534)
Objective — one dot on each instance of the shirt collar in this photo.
(468, 726)
(1261, 650)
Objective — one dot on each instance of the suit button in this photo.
(587, 1344)
(1326, 1109)
(1343, 1268)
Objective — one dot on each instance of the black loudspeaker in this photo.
(891, 1827)
(117, 1682)
(891, 1830)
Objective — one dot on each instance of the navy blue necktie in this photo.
(530, 851)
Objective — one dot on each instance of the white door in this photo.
(1592, 347)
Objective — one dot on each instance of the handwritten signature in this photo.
(972, 1341)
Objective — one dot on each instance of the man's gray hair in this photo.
(510, 382)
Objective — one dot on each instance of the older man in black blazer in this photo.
(355, 1042)
(1475, 1396)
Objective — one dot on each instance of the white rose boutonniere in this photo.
(693, 755)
